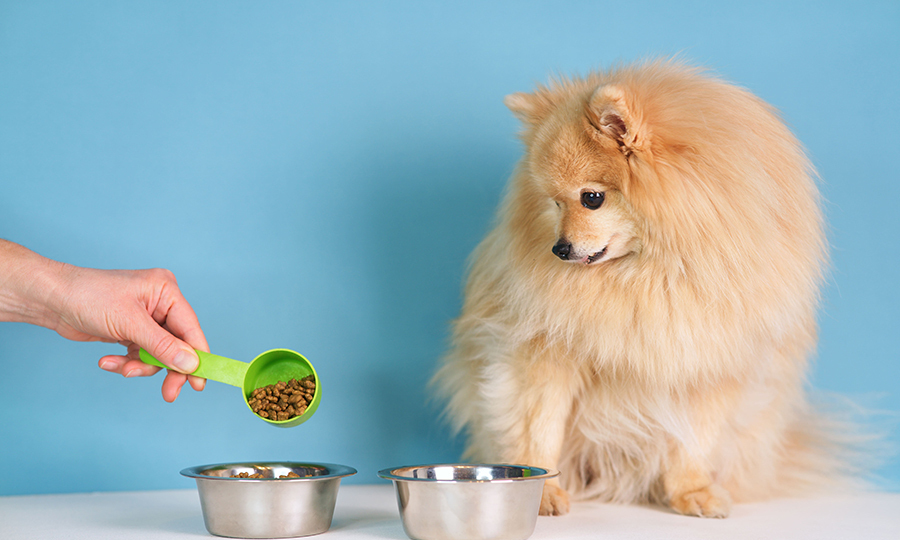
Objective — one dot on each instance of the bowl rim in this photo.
(542, 473)
(334, 471)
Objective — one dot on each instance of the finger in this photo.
(197, 383)
(112, 363)
(162, 345)
(126, 366)
(181, 320)
(136, 368)
(172, 384)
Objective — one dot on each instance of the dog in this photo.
(642, 316)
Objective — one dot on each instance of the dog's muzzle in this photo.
(563, 249)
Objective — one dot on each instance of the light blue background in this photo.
(316, 173)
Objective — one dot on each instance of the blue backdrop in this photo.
(316, 173)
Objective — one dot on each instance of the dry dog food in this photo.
(291, 474)
(247, 475)
(284, 400)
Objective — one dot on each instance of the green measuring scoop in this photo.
(271, 367)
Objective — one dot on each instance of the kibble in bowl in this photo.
(268, 499)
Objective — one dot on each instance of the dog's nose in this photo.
(562, 249)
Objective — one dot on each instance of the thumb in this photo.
(165, 347)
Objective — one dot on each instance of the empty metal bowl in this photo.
(476, 502)
(269, 507)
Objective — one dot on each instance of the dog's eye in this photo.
(592, 199)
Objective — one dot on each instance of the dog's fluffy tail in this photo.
(835, 444)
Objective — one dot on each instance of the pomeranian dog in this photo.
(642, 316)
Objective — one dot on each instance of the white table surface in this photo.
(370, 512)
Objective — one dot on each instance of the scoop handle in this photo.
(212, 367)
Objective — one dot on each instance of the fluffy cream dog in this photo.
(642, 316)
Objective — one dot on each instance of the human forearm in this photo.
(28, 285)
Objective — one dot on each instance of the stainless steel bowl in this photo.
(476, 502)
(269, 507)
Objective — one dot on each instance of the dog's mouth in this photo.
(595, 257)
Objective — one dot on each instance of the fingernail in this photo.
(136, 372)
(108, 366)
(186, 362)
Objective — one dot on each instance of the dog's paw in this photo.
(711, 501)
(554, 501)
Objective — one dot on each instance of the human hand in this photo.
(136, 308)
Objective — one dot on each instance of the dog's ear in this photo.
(529, 108)
(611, 114)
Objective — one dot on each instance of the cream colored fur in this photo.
(673, 368)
